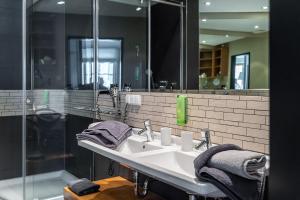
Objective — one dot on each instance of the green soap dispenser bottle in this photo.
(181, 109)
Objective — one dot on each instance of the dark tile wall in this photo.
(79, 162)
(10, 147)
(45, 150)
(11, 43)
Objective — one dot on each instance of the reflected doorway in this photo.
(240, 65)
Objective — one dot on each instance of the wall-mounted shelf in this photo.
(213, 61)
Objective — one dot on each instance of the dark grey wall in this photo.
(11, 44)
(193, 45)
(165, 43)
(10, 147)
(133, 32)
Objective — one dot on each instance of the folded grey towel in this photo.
(108, 133)
(204, 157)
(234, 186)
(83, 187)
(242, 163)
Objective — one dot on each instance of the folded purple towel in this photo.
(107, 133)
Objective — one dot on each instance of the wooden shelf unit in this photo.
(213, 61)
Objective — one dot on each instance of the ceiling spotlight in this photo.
(256, 27)
(138, 9)
(227, 36)
(265, 7)
(60, 2)
(203, 41)
(207, 3)
(204, 20)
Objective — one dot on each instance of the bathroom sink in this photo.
(165, 163)
(135, 145)
(173, 161)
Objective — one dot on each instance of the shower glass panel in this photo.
(55, 111)
(11, 186)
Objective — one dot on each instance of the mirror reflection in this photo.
(165, 46)
(122, 48)
(123, 44)
(234, 44)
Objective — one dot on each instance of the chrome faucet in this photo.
(147, 131)
(205, 134)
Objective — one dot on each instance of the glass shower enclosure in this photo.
(55, 57)
(58, 60)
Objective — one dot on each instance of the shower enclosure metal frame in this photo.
(96, 17)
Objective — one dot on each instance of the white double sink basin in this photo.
(166, 163)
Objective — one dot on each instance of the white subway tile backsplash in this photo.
(241, 120)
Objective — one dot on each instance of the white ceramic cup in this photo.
(187, 141)
(166, 136)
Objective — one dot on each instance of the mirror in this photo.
(124, 23)
(166, 46)
(234, 44)
(122, 48)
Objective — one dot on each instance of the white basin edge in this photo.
(177, 180)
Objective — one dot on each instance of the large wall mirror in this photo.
(234, 44)
(122, 48)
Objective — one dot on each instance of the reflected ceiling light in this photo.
(138, 9)
(265, 7)
(203, 41)
(256, 27)
(207, 3)
(204, 20)
(227, 36)
(60, 2)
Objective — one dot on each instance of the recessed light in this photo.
(207, 3)
(203, 41)
(227, 36)
(256, 27)
(265, 7)
(60, 2)
(138, 9)
(204, 20)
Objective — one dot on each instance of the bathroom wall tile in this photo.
(231, 123)
(224, 135)
(236, 104)
(214, 115)
(253, 146)
(258, 105)
(244, 138)
(233, 141)
(257, 133)
(197, 113)
(200, 102)
(233, 117)
(230, 118)
(244, 111)
(217, 139)
(255, 119)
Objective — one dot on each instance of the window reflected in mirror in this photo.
(234, 44)
(81, 58)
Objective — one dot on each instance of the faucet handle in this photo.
(205, 133)
(147, 124)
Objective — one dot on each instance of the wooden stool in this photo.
(116, 188)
